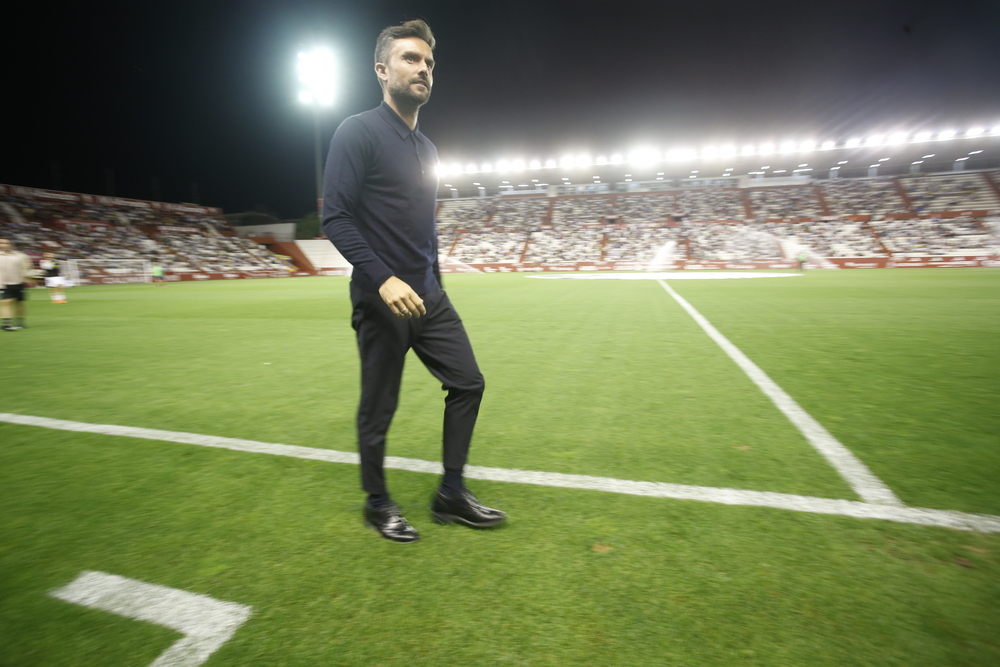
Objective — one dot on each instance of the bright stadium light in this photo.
(456, 168)
(922, 136)
(517, 165)
(486, 168)
(748, 150)
(875, 140)
(317, 75)
(584, 160)
(975, 132)
(946, 134)
(807, 146)
(828, 145)
(471, 168)
(550, 164)
(897, 138)
(709, 152)
(766, 149)
(727, 151)
(995, 131)
(535, 164)
(644, 156)
(601, 160)
(566, 161)
(503, 166)
(787, 147)
(681, 154)
(617, 159)
(853, 142)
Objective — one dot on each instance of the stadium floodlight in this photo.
(853, 142)
(471, 168)
(617, 159)
(317, 73)
(807, 146)
(503, 166)
(766, 149)
(644, 156)
(550, 164)
(681, 154)
(995, 131)
(828, 145)
(946, 134)
(584, 160)
(922, 136)
(975, 132)
(748, 150)
(897, 138)
(787, 147)
(709, 152)
(486, 168)
(601, 160)
(875, 140)
(517, 165)
(566, 161)
(727, 151)
(456, 168)
(535, 164)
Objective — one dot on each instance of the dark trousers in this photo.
(440, 341)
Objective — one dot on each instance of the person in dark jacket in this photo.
(380, 188)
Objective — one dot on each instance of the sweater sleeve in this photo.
(350, 151)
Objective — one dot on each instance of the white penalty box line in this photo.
(855, 473)
(205, 622)
(983, 523)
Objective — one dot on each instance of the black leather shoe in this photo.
(389, 523)
(465, 509)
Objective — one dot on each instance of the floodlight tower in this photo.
(317, 78)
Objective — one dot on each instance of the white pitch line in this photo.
(862, 480)
(984, 523)
(205, 622)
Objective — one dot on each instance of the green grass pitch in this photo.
(608, 378)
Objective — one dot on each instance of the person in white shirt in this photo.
(15, 271)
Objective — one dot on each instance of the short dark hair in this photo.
(416, 28)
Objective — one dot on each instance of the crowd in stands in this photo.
(954, 192)
(179, 241)
(863, 196)
(697, 224)
(733, 242)
(799, 201)
(932, 236)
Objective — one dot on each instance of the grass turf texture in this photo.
(606, 378)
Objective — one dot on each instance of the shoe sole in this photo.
(391, 539)
(442, 518)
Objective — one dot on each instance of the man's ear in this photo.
(381, 71)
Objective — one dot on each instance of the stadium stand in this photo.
(958, 192)
(181, 238)
(867, 218)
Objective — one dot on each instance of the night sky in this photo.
(163, 95)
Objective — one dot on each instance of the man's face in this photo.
(408, 75)
(5, 245)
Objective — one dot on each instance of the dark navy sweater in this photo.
(379, 198)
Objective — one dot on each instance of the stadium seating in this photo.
(907, 216)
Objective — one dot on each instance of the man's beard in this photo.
(405, 96)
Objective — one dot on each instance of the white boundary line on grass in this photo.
(205, 622)
(850, 467)
(984, 523)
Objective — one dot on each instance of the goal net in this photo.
(108, 271)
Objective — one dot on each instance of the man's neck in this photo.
(409, 115)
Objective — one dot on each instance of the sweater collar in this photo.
(395, 122)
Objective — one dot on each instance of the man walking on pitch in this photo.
(14, 269)
(378, 210)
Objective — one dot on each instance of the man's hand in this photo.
(402, 300)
